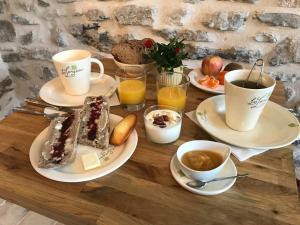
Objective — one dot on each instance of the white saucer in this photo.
(196, 75)
(54, 93)
(75, 172)
(212, 188)
(276, 128)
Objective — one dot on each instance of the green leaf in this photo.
(293, 125)
(200, 113)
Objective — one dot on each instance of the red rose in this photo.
(148, 43)
(177, 50)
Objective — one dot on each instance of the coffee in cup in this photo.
(246, 99)
(74, 70)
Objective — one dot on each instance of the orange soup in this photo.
(202, 160)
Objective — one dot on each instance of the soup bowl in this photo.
(204, 175)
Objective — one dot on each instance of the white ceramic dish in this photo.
(200, 145)
(196, 75)
(276, 128)
(54, 93)
(75, 172)
(212, 188)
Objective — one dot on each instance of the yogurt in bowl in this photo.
(162, 124)
(202, 160)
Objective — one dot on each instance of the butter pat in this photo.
(90, 161)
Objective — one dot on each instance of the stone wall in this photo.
(31, 31)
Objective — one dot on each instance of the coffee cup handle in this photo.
(100, 64)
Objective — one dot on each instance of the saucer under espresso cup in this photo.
(205, 158)
(74, 70)
(244, 105)
(212, 188)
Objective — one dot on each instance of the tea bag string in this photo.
(258, 62)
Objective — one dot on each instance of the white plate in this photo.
(212, 188)
(196, 75)
(75, 172)
(276, 127)
(54, 93)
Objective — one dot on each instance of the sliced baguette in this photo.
(123, 129)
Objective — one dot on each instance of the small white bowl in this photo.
(134, 68)
(200, 145)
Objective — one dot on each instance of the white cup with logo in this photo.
(74, 70)
(244, 105)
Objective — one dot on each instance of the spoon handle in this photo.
(231, 177)
(27, 110)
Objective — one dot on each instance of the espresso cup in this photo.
(74, 70)
(244, 105)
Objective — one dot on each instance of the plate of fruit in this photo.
(210, 77)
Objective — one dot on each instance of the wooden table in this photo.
(143, 191)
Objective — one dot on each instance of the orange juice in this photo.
(132, 92)
(172, 96)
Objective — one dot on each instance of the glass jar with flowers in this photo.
(168, 59)
(171, 82)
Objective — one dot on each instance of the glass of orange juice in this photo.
(172, 90)
(131, 89)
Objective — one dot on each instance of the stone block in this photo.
(280, 19)
(227, 21)
(96, 15)
(188, 35)
(239, 54)
(26, 39)
(289, 3)
(23, 19)
(175, 17)
(134, 15)
(47, 72)
(76, 29)
(287, 51)
(12, 57)
(3, 6)
(266, 37)
(27, 5)
(7, 31)
(18, 73)
(60, 38)
(44, 3)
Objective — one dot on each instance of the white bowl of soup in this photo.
(202, 160)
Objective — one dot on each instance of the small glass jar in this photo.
(162, 124)
(131, 89)
(172, 89)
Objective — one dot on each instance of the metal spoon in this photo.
(200, 184)
(34, 112)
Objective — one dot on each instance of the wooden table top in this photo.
(143, 191)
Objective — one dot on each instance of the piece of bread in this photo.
(94, 124)
(129, 52)
(123, 129)
(60, 145)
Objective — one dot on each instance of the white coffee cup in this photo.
(74, 70)
(244, 105)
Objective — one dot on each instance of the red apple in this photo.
(212, 65)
